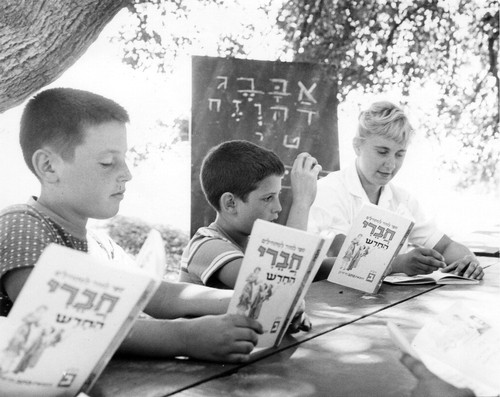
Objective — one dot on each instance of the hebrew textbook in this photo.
(436, 277)
(278, 267)
(462, 347)
(68, 320)
(374, 240)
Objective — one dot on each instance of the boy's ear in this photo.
(228, 202)
(44, 162)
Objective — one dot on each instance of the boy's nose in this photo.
(278, 206)
(125, 175)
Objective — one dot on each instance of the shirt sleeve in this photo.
(23, 237)
(425, 231)
(210, 255)
(329, 215)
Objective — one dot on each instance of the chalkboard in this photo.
(288, 107)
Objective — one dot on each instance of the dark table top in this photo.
(348, 351)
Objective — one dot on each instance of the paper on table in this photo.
(461, 339)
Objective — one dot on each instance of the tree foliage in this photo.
(448, 47)
(376, 45)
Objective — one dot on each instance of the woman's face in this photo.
(378, 160)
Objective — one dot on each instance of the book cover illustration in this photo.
(68, 320)
(375, 238)
(462, 346)
(277, 267)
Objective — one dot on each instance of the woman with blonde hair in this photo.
(381, 142)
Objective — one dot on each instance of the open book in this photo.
(277, 270)
(68, 320)
(460, 346)
(436, 277)
(374, 240)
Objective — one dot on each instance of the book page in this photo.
(450, 278)
(403, 279)
(437, 277)
(152, 257)
(400, 340)
(462, 339)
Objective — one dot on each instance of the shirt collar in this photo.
(355, 188)
(70, 228)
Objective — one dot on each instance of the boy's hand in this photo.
(429, 385)
(300, 321)
(304, 177)
(227, 337)
(468, 266)
(420, 261)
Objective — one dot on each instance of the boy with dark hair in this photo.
(75, 143)
(242, 182)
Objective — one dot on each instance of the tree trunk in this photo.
(40, 39)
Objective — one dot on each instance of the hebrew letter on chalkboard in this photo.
(288, 107)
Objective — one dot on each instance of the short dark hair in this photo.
(58, 116)
(236, 167)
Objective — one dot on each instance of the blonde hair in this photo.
(386, 120)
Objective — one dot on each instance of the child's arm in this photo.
(304, 177)
(229, 273)
(14, 280)
(218, 338)
(173, 300)
(228, 338)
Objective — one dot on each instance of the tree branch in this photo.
(40, 40)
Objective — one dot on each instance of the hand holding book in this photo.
(300, 321)
(279, 265)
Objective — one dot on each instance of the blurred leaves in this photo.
(130, 234)
(168, 135)
(369, 46)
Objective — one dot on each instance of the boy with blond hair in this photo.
(75, 143)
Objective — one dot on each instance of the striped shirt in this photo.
(207, 252)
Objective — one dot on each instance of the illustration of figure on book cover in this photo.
(28, 343)
(354, 253)
(254, 294)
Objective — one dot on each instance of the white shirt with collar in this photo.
(340, 197)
